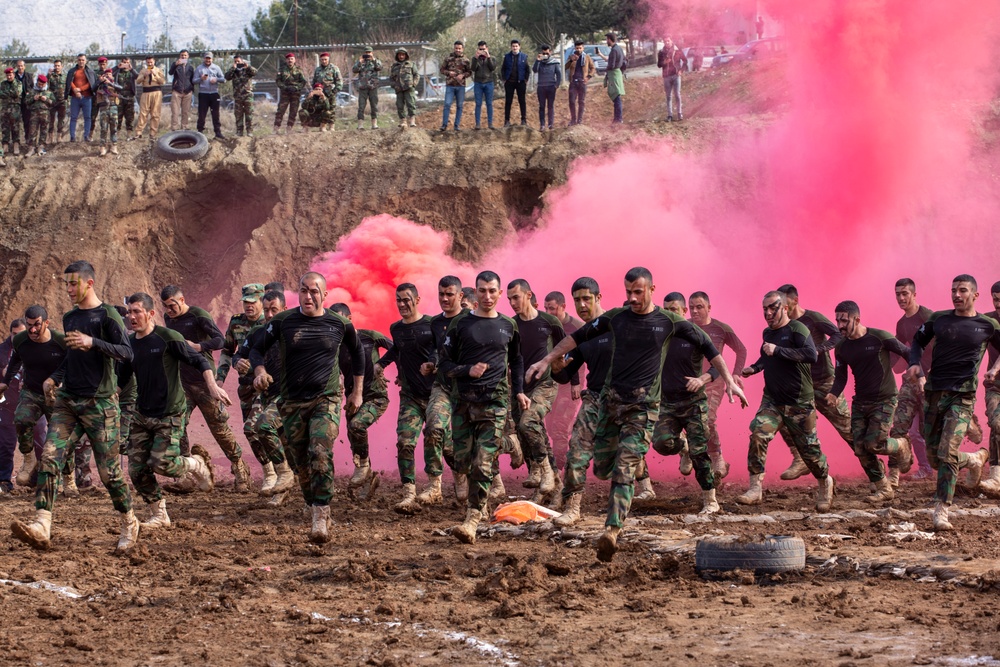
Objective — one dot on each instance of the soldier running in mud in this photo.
(239, 326)
(559, 421)
(991, 485)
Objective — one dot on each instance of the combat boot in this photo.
(941, 523)
(413, 121)
(466, 531)
(686, 466)
(402, 123)
(270, 479)
(277, 499)
(644, 490)
(17, 148)
(201, 474)
(571, 511)
(432, 494)
(362, 470)
(755, 494)
(709, 505)
(547, 481)
(991, 485)
(158, 517)
(114, 149)
(3, 163)
(130, 532)
(320, 532)
(974, 464)
(555, 496)
(241, 477)
(893, 476)
(512, 446)
(102, 151)
(461, 486)
(607, 543)
(534, 475)
(797, 468)
(70, 489)
(975, 432)
(367, 489)
(497, 490)
(374, 123)
(825, 492)
(27, 467)
(276, 130)
(36, 533)
(285, 478)
(408, 505)
(904, 458)
(361, 124)
(883, 491)
(720, 467)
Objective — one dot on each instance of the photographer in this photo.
(125, 77)
(40, 100)
(182, 87)
(367, 69)
(403, 76)
(483, 67)
(107, 99)
(548, 69)
(209, 76)
(316, 110)
(241, 74)
(456, 69)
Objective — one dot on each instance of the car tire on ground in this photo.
(181, 145)
(773, 554)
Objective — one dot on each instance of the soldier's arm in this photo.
(833, 334)
(115, 343)
(839, 376)
(737, 346)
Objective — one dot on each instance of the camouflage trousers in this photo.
(560, 420)
(107, 119)
(871, 422)
(99, 419)
(477, 429)
(311, 428)
(126, 114)
(993, 420)
(437, 433)
(361, 421)
(581, 444)
(531, 422)
(216, 417)
(689, 416)
(289, 102)
(621, 439)
(406, 103)
(369, 96)
(412, 417)
(57, 120)
(946, 419)
(715, 392)
(316, 119)
(243, 110)
(38, 130)
(799, 426)
(263, 431)
(248, 400)
(30, 409)
(10, 124)
(909, 419)
(839, 415)
(155, 449)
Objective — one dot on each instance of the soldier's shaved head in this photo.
(313, 275)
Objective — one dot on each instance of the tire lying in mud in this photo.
(181, 145)
(773, 554)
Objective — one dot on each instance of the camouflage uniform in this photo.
(331, 79)
(477, 429)
(871, 422)
(242, 79)
(126, 108)
(581, 444)
(236, 333)
(216, 417)
(38, 119)
(531, 422)
(311, 428)
(621, 439)
(412, 411)
(264, 432)
(106, 102)
(357, 428)
(798, 422)
(438, 432)
(403, 78)
(57, 86)
(993, 420)
(689, 415)
(946, 419)
(30, 408)
(10, 111)
(375, 396)
(316, 111)
(909, 409)
(367, 71)
(155, 449)
(291, 83)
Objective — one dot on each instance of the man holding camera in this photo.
(328, 74)
(548, 69)
(182, 74)
(291, 83)
(456, 69)
(367, 69)
(483, 66)
(241, 74)
(208, 75)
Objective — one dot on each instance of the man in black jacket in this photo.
(182, 88)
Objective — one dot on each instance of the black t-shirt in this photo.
(684, 360)
(993, 350)
(596, 353)
(906, 329)
(825, 336)
(412, 346)
(156, 364)
(39, 360)
(439, 327)
(640, 347)
(197, 326)
(787, 373)
(869, 361)
(91, 373)
(538, 337)
(309, 352)
(472, 339)
(374, 387)
(959, 344)
(272, 360)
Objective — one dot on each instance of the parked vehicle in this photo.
(598, 52)
(707, 53)
(258, 96)
(758, 49)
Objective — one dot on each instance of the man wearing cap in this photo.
(328, 74)
(125, 77)
(80, 85)
(367, 69)
(57, 86)
(181, 89)
(403, 78)
(151, 79)
(291, 83)
(10, 110)
(241, 74)
(208, 76)
(239, 326)
(106, 96)
(316, 110)
(40, 100)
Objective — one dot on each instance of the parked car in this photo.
(345, 99)
(707, 53)
(258, 96)
(598, 52)
(758, 49)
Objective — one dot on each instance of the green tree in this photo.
(197, 45)
(162, 43)
(15, 49)
(539, 20)
(544, 21)
(93, 49)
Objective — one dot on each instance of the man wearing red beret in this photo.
(291, 83)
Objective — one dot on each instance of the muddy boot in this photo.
(374, 123)
(709, 505)
(720, 467)
(547, 482)
(797, 468)
(512, 446)
(320, 532)
(975, 432)
(277, 499)
(408, 505)
(367, 490)
(883, 491)
(644, 490)
(3, 162)
(158, 517)
(686, 466)
(35, 533)
(755, 494)
(825, 492)
(466, 531)
(114, 149)
(941, 523)
(893, 476)
(241, 477)
(270, 479)
(285, 478)
(498, 491)
(974, 464)
(571, 511)
(201, 474)
(102, 151)
(402, 123)
(904, 458)
(276, 130)
(432, 494)
(534, 476)
(27, 468)
(413, 121)
(130, 533)
(361, 124)
(555, 496)
(991, 485)
(461, 486)
(17, 148)
(362, 471)
(607, 544)
(70, 489)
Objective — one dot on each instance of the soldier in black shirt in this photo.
(95, 338)
(960, 338)
(787, 355)
(478, 350)
(309, 338)
(991, 485)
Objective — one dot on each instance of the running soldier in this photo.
(309, 338)
(480, 349)
(40, 100)
(722, 336)
(328, 76)
(86, 397)
(291, 84)
(991, 485)
(154, 443)
(961, 336)
(909, 419)
(127, 396)
(825, 336)
(412, 347)
(239, 326)
(199, 330)
(787, 358)
(242, 74)
(559, 421)
(57, 112)
(630, 402)
(866, 352)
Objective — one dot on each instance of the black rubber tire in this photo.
(181, 145)
(774, 554)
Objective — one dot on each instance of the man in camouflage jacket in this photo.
(367, 69)
(241, 74)
(403, 77)
(291, 83)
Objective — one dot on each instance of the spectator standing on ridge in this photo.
(182, 88)
(514, 73)
(483, 67)
(208, 75)
(291, 83)
(367, 69)
(672, 62)
(241, 74)
(580, 69)
(151, 79)
(614, 78)
(125, 77)
(548, 68)
(760, 27)
(107, 109)
(27, 82)
(80, 84)
(39, 102)
(403, 77)
(10, 110)
(57, 86)
(457, 69)
(328, 74)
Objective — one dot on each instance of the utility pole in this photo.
(295, 4)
